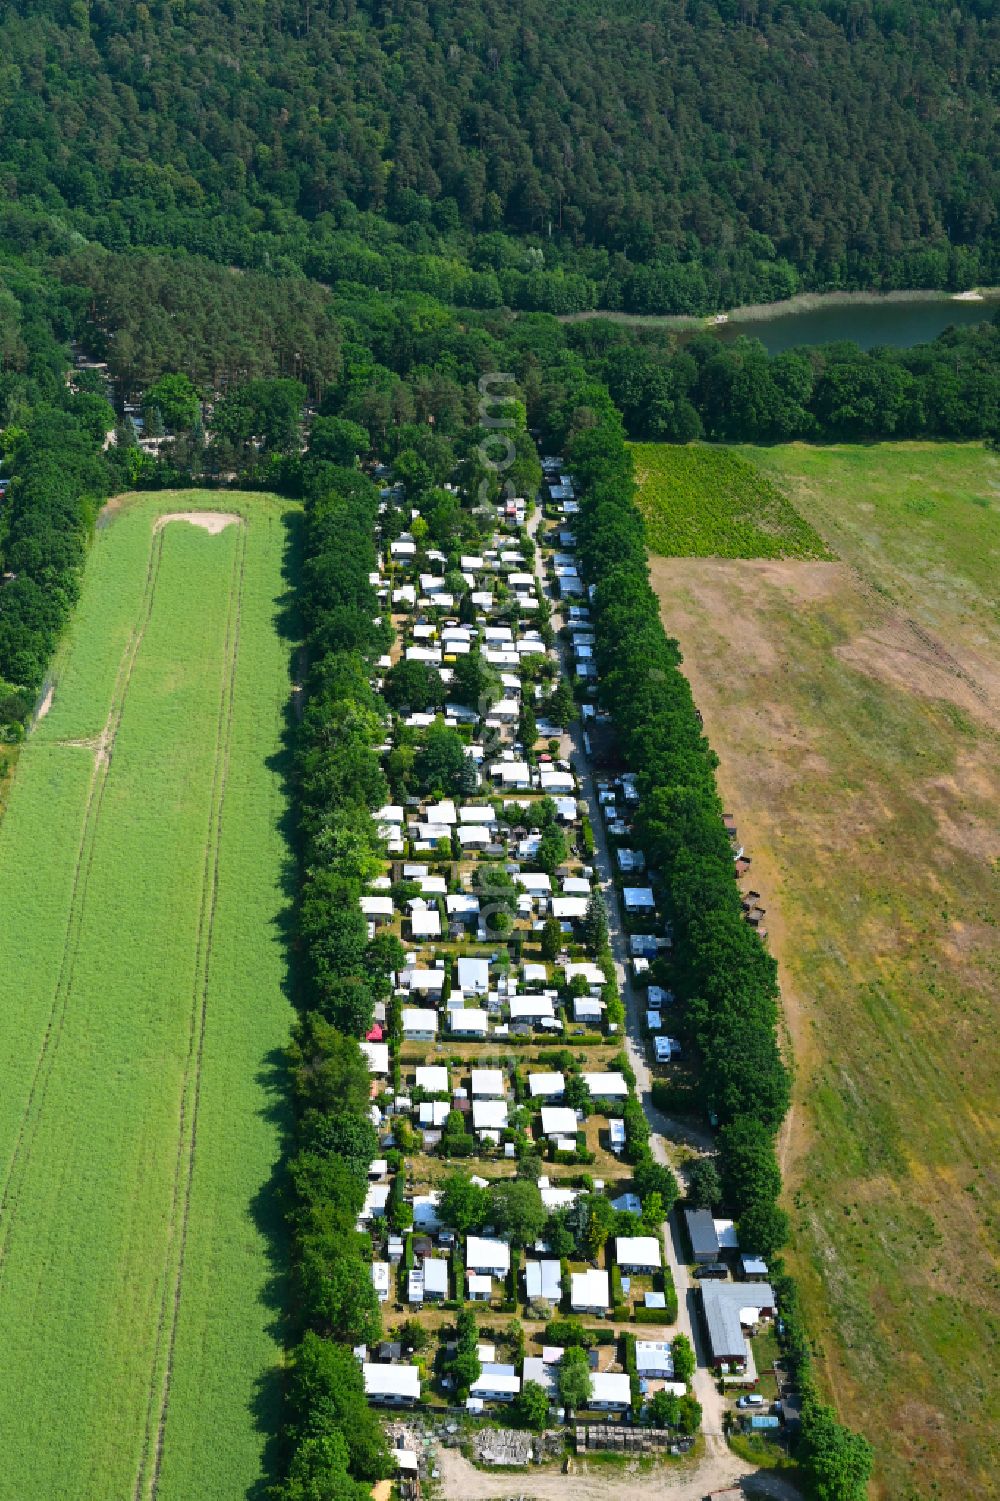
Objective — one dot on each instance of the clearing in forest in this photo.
(143, 1007)
(855, 708)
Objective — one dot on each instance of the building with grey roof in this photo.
(730, 1308)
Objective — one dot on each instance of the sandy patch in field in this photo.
(212, 522)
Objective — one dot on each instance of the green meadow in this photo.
(143, 1006)
(702, 501)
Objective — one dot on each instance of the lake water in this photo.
(898, 323)
(866, 319)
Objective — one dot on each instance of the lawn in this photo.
(705, 502)
(144, 862)
(854, 707)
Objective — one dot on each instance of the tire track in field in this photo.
(103, 748)
(147, 1476)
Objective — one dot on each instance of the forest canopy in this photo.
(659, 157)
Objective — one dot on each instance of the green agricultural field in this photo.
(143, 997)
(855, 708)
(703, 502)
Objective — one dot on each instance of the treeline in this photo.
(725, 980)
(57, 473)
(701, 387)
(334, 1442)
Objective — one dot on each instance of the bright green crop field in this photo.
(701, 501)
(144, 869)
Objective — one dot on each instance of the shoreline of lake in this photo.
(814, 302)
(899, 319)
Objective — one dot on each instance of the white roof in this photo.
(442, 812)
(589, 1289)
(541, 1086)
(433, 885)
(496, 1378)
(389, 813)
(391, 1380)
(637, 1250)
(483, 1255)
(375, 1201)
(559, 1198)
(474, 975)
(610, 1386)
(477, 813)
(556, 781)
(426, 924)
(380, 1276)
(473, 834)
(558, 1120)
(425, 1210)
(534, 881)
(585, 1008)
(533, 973)
(726, 1232)
(433, 1078)
(592, 973)
(377, 1054)
(489, 1115)
(487, 1083)
(534, 1367)
(606, 1085)
(377, 906)
(419, 1019)
(422, 979)
(654, 1355)
(433, 832)
(576, 886)
(434, 1113)
(468, 1019)
(435, 1276)
(541, 1279)
(525, 1007)
(461, 901)
(570, 907)
(511, 771)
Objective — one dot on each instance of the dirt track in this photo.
(461, 1481)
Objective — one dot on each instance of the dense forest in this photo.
(671, 157)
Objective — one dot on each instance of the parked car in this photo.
(712, 1269)
(752, 1399)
